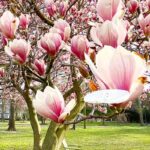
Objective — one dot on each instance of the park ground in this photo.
(112, 136)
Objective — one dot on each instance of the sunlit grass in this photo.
(96, 137)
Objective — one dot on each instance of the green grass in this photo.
(96, 137)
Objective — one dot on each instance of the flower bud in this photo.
(107, 9)
(148, 4)
(63, 29)
(132, 6)
(2, 72)
(50, 104)
(4, 41)
(18, 50)
(63, 8)
(83, 70)
(24, 21)
(144, 23)
(79, 46)
(109, 33)
(51, 7)
(39, 66)
(51, 43)
(8, 24)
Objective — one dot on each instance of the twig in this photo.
(40, 14)
(90, 117)
(73, 3)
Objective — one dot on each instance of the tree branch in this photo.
(68, 93)
(40, 14)
(90, 117)
(73, 3)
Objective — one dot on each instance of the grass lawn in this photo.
(95, 137)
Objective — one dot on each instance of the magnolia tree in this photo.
(49, 50)
(15, 103)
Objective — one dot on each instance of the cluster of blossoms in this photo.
(56, 8)
(116, 67)
(19, 49)
(78, 15)
(113, 62)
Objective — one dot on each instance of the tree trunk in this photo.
(3, 111)
(11, 124)
(32, 114)
(74, 126)
(42, 120)
(85, 115)
(56, 132)
(54, 136)
(140, 111)
(51, 139)
(34, 124)
(103, 121)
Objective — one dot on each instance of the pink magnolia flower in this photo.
(109, 33)
(51, 43)
(107, 9)
(119, 69)
(18, 50)
(39, 66)
(2, 72)
(132, 5)
(24, 21)
(4, 41)
(148, 3)
(145, 24)
(63, 28)
(79, 46)
(8, 24)
(63, 8)
(50, 104)
(51, 7)
(54, 30)
(128, 27)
